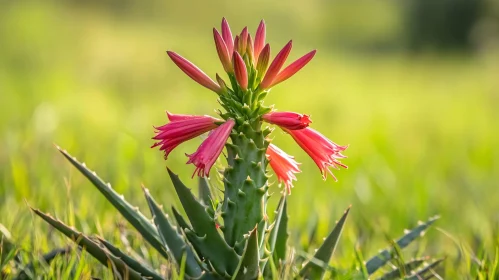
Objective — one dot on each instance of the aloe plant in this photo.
(233, 239)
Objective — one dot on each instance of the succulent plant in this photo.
(233, 239)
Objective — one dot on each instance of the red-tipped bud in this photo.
(223, 52)
(194, 72)
(221, 83)
(289, 120)
(227, 36)
(263, 61)
(240, 71)
(276, 66)
(243, 40)
(259, 39)
(249, 49)
(293, 68)
(236, 44)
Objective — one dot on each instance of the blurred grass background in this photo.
(411, 86)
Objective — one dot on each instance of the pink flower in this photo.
(263, 60)
(223, 52)
(259, 39)
(293, 68)
(227, 36)
(289, 120)
(283, 165)
(323, 151)
(240, 71)
(194, 72)
(276, 66)
(243, 41)
(180, 129)
(208, 152)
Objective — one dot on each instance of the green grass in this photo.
(422, 132)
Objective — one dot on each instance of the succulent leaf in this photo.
(131, 262)
(172, 240)
(384, 256)
(131, 213)
(248, 268)
(426, 272)
(180, 220)
(204, 191)
(313, 271)
(93, 248)
(205, 237)
(399, 271)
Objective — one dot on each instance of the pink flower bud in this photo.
(259, 39)
(249, 50)
(194, 72)
(276, 66)
(208, 152)
(293, 68)
(283, 165)
(223, 52)
(288, 120)
(243, 40)
(263, 61)
(227, 36)
(240, 71)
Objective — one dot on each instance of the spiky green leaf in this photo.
(180, 220)
(384, 256)
(204, 191)
(204, 236)
(279, 235)
(399, 271)
(313, 271)
(93, 248)
(131, 213)
(141, 268)
(172, 239)
(248, 268)
(425, 272)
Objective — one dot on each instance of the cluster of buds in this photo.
(251, 74)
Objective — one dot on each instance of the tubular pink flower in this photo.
(259, 39)
(240, 71)
(276, 66)
(323, 151)
(288, 120)
(208, 152)
(180, 129)
(223, 52)
(283, 165)
(194, 72)
(227, 36)
(293, 68)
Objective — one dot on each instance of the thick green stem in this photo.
(245, 183)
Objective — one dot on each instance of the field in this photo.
(422, 131)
